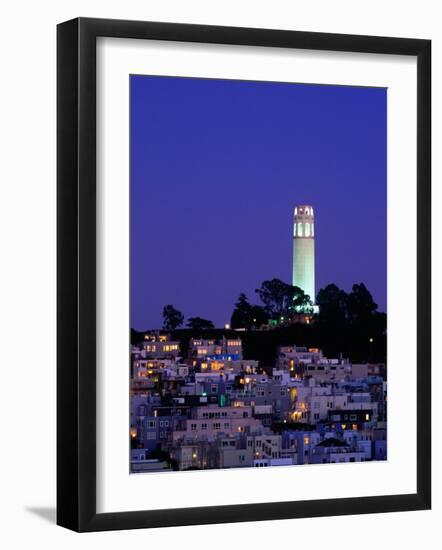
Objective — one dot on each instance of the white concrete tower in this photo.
(304, 250)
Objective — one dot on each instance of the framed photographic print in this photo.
(243, 274)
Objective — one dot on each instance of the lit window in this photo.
(313, 229)
(299, 229)
(307, 230)
(294, 230)
(296, 211)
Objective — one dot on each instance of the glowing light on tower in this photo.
(304, 250)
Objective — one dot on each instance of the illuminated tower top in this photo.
(304, 221)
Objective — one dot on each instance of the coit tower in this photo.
(304, 250)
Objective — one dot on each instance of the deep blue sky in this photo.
(217, 167)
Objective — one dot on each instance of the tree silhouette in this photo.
(198, 323)
(274, 294)
(282, 299)
(350, 323)
(360, 304)
(333, 305)
(246, 315)
(172, 318)
(242, 314)
(299, 300)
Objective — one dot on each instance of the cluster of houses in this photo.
(207, 407)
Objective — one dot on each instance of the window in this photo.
(193, 427)
(204, 426)
(299, 229)
(313, 229)
(307, 230)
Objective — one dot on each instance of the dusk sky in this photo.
(217, 167)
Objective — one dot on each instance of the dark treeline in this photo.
(351, 323)
(347, 324)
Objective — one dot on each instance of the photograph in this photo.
(226, 212)
(258, 274)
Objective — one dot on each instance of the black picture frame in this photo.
(76, 274)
